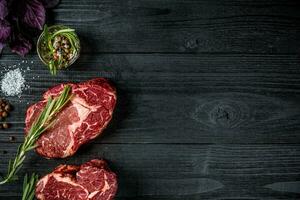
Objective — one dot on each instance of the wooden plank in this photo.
(186, 98)
(208, 97)
(185, 171)
(183, 26)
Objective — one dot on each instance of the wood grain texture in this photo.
(185, 98)
(183, 26)
(208, 97)
(186, 171)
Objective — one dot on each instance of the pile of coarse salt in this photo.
(13, 83)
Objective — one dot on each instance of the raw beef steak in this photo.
(90, 181)
(81, 120)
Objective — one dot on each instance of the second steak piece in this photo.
(90, 181)
(81, 120)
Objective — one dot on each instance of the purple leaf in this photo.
(20, 45)
(3, 9)
(34, 14)
(50, 3)
(5, 30)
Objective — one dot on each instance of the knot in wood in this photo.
(192, 44)
(225, 115)
(221, 113)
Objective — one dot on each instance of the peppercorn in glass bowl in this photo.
(58, 47)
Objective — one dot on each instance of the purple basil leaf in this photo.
(50, 3)
(20, 45)
(3, 9)
(5, 30)
(34, 14)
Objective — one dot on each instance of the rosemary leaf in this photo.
(25, 181)
(29, 187)
(40, 125)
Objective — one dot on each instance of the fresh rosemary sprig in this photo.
(40, 125)
(29, 187)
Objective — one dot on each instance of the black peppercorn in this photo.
(12, 138)
(7, 107)
(5, 125)
(4, 114)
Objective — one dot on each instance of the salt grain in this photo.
(13, 83)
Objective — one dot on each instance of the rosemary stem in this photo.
(41, 124)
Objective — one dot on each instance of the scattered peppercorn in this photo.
(4, 114)
(12, 138)
(5, 125)
(5, 108)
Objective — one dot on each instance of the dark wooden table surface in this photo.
(209, 96)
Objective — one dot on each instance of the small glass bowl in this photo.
(42, 49)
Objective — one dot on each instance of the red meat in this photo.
(80, 121)
(90, 181)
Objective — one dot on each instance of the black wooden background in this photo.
(209, 96)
